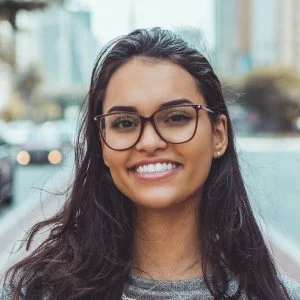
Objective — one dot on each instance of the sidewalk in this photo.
(12, 235)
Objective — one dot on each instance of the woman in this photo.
(158, 208)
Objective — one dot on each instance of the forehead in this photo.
(146, 83)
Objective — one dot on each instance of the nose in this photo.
(150, 141)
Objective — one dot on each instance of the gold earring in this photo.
(218, 154)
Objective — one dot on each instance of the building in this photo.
(233, 36)
(60, 41)
(252, 33)
(264, 32)
(6, 62)
(289, 32)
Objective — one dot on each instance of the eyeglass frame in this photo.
(150, 119)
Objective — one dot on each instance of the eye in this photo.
(177, 117)
(123, 123)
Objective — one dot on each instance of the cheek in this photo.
(200, 163)
(116, 162)
(111, 158)
(199, 157)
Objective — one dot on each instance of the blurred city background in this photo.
(47, 51)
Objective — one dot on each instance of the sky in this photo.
(111, 17)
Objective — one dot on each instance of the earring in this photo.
(218, 154)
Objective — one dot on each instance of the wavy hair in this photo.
(88, 252)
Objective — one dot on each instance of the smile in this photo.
(155, 168)
(155, 171)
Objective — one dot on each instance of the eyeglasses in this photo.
(175, 124)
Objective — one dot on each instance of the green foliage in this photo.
(10, 8)
(28, 81)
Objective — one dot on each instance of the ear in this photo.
(220, 136)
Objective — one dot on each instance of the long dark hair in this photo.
(89, 249)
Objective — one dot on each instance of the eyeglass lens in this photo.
(174, 124)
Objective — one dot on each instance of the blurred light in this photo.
(23, 158)
(55, 157)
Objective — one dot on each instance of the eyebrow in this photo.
(163, 105)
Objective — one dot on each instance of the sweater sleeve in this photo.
(4, 294)
(293, 288)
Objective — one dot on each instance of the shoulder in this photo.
(292, 287)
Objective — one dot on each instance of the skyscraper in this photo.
(289, 32)
(60, 41)
(233, 36)
(251, 33)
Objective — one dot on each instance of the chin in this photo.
(157, 202)
(160, 205)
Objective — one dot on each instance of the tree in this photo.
(28, 81)
(8, 12)
(10, 8)
(24, 102)
(274, 92)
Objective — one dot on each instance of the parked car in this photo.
(6, 173)
(68, 130)
(43, 145)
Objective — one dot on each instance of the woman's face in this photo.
(145, 85)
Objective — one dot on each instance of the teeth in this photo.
(155, 168)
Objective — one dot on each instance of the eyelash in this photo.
(180, 114)
(115, 123)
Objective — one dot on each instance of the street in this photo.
(36, 191)
(270, 170)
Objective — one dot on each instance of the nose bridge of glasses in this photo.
(148, 123)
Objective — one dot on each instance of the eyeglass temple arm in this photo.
(205, 108)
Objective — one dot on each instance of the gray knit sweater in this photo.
(139, 288)
(191, 289)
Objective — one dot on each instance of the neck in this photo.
(166, 244)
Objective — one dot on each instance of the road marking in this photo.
(280, 241)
